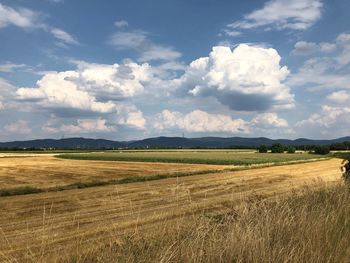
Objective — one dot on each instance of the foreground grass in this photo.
(200, 157)
(311, 226)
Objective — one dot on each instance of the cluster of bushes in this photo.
(280, 148)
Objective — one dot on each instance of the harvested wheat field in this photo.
(48, 171)
(55, 224)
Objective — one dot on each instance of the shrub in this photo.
(291, 149)
(277, 148)
(321, 150)
(263, 149)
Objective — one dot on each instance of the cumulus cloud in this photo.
(199, 121)
(114, 81)
(247, 78)
(269, 120)
(140, 42)
(91, 87)
(130, 116)
(58, 90)
(329, 121)
(282, 14)
(18, 127)
(82, 126)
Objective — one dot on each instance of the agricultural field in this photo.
(61, 224)
(44, 171)
(218, 157)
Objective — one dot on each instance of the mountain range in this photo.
(164, 142)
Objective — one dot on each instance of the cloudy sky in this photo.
(132, 69)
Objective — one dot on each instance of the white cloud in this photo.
(325, 71)
(158, 52)
(92, 87)
(247, 78)
(114, 81)
(140, 42)
(343, 41)
(127, 40)
(269, 120)
(130, 116)
(82, 126)
(18, 127)
(282, 14)
(339, 97)
(20, 17)
(232, 33)
(121, 23)
(57, 90)
(305, 48)
(63, 36)
(10, 67)
(328, 122)
(6, 94)
(199, 121)
(29, 19)
(90, 90)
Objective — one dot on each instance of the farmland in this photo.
(39, 226)
(48, 171)
(219, 157)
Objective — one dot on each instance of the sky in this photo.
(126, 70)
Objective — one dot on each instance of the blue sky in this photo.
(133, 69)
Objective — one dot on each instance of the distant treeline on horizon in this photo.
(341, 146)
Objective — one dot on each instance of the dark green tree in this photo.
(262, 149)
(290, 149)
(277, 148)
(321, 150)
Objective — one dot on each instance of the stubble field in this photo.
(55, 225)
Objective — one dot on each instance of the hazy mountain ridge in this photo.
(164, 142)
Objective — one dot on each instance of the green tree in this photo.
(290, 149)
(262, 149)
(277, 148)
(321, 150)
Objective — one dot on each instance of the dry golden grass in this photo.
(45, 171)
(308, 226)
(38, 227)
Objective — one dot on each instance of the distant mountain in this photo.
(69, 143)
(164, 142)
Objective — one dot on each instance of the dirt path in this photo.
(59, 220)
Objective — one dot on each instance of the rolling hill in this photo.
(163, 142)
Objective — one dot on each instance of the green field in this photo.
(202, 157)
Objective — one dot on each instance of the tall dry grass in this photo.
(307, 226)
